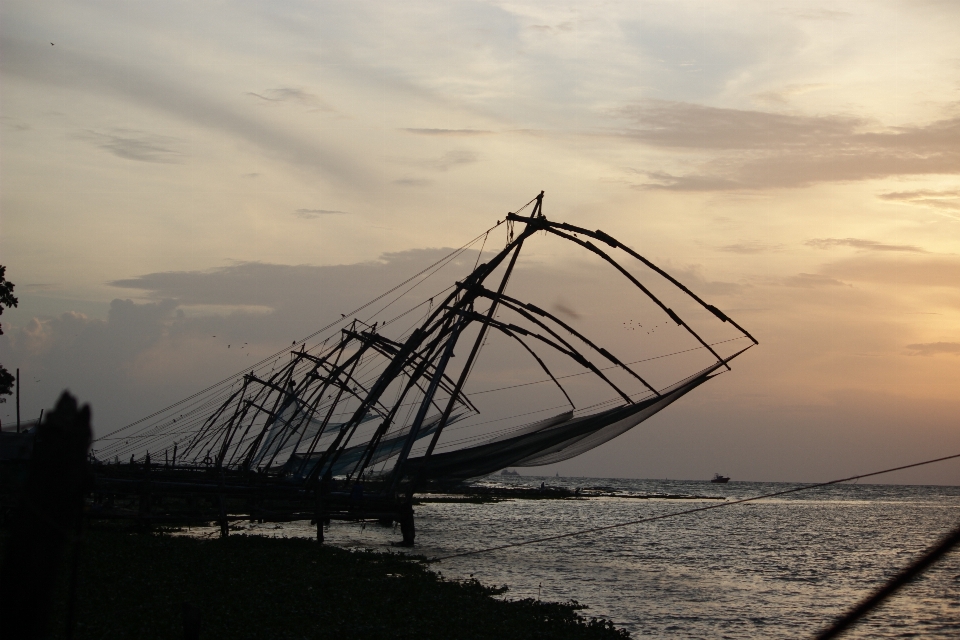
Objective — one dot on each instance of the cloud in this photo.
(15, 123)
(693, 278)
(77, 351)
(664, 180)
(857, 243)
(278, 285)
(292, 94)
(135, 145)
(821, 14)
(744, 149)
(40, 286)
(167, 92)
(949, 200)
(145, 355)
(450, 159)
(130, 328)
(784, 95)
(413, 182)
(902, 269)
(933, 348)
(812, 280)
(748, 248)
(564, 309)
(312, 214)
(681, 125)
(449, 132)
(545, 29)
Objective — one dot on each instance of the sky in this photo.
(174, 171)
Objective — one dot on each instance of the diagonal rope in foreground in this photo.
(905, 576)
(664, 516)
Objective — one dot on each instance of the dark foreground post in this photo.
(323, 494)
(407, 528)
(224, 523)
(146, 498)
(319, 514)
(47, 518)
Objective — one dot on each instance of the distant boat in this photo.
(719, 479)
(508, 472)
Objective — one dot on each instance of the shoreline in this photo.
(136, 584)
(480, 494)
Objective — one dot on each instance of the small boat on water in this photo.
(719, 479)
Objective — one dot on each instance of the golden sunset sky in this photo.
(173, 171)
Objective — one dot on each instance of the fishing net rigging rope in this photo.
(169, 433)
(184, 425)
(230, 379)
(674, 514)
(583, 373)
(603, 403)
(155, 433)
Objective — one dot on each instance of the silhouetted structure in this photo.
(371, 407)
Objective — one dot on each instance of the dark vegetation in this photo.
(7, 299)
(135, 586)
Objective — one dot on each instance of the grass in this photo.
(134, 586)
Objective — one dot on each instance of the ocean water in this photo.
(777, 568)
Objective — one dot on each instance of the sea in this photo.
(776, 568)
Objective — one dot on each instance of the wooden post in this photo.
(224, 526)
(144, 515)
(320, 515)
(18, 399)
(407, 528)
